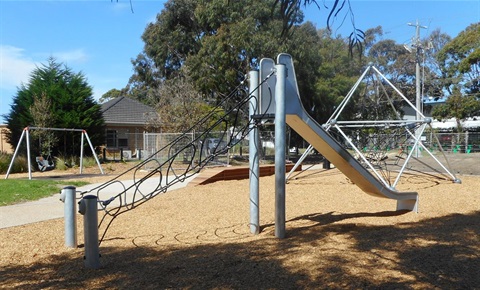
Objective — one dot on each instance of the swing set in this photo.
(47, 163)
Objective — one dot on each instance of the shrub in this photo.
(19, 165)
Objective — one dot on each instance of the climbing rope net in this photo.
(135, 187)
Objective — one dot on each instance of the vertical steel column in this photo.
(280, 149)
(15, 153)
(253, 155)
(70, 219)
(81, 152)
(88, 208)
(29, 159)
(93, 150)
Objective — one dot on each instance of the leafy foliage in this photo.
(459, 107)
(215, 43)
(460, 59)
(460, 65)
(180, 105)
(112, 94)
(57, 97)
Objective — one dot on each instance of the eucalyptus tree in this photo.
(337, 73)
(460, 60)
(397, 62)
(218, 41)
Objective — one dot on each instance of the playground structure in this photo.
(194, 153)
(373, 141)
(46, 164)
(273, 95)
(288, 109)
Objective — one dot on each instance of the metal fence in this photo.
(157, 145)
(467, 142)
(161, 147)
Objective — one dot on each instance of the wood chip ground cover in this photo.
(199, 237)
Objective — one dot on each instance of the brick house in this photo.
(125, 122)
(4, 145)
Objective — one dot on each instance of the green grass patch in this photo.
(19, 190)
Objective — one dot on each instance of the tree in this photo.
(219, 41)
(180, 105)
(112, 94)
(337, 73)
(433, 82)
(54, 90)
(42, 104)
(460, 67)
(460, 60)
(459, 107)
(290, 11)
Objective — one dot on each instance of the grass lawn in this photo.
(15, 190)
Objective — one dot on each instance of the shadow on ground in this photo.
(321, 251)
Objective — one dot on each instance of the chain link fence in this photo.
(468, 142)
(158, 146)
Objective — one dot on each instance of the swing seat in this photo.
(44, 164)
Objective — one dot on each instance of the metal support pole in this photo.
(93, 151)
(29, 159)
(70, 210)
(254, 160)
(88, 208)
(280, 149)
(300, 160)
(15, 153)
(81, 152)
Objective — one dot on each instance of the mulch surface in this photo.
(199, 237)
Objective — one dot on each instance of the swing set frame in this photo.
(26, 135)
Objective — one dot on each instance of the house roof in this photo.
(126, 111)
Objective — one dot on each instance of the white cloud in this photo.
(75, 56)
(121, 7)
(15, 67)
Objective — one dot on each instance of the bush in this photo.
(63, 163)
(19, 165)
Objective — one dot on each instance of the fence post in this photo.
(466, 142)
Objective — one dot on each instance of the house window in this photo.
(123, 142)
(111, 139)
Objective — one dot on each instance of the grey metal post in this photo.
(253, 155)
(15, 153)
(70, 210)
(300, 160)
(93, 151)
(88, 208)
(280, 149)
(81, 152)
(29, 159)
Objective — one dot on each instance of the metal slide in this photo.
(300, 121)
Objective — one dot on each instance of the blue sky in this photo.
(99, 38)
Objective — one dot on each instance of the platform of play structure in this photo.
(214, 174)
